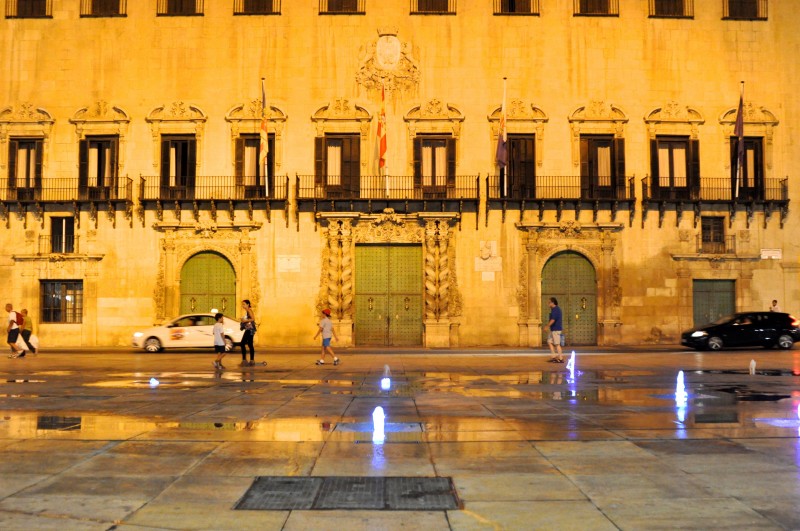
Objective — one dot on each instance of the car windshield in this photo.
(722, 320)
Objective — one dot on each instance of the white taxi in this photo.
(187, 331)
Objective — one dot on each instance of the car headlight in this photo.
(138, 334)
(699, 333)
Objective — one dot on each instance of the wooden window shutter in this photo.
(619, 160)
(417, 163)
(654, 176)
(83, 164)
(451, 162)
(238, 155)
(113, 151)
(165, 147)
(694, 165)
(319, 160)
(13, 152)
(37, 176)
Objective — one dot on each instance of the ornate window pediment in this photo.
(176, 118)
(246, 118)
(673, 119)
(431, 117)
(521, 118)
(598, 117)
(24, 120)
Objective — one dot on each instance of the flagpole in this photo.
(739, 140)
(263, 150)
(503, 138)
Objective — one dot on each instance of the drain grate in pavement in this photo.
(348, 493)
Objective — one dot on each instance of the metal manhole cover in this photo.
(343, 493)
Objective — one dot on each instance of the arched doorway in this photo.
(570, 277)
(208, 281)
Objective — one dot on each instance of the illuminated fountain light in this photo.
(571, 366)
(154, 382)
(681, 397)
(752, 366)
(386, 381)
(378, 423)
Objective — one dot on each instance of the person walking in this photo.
(556, 327)
(248, 324)
(26, 331)
(327, 331)
(219, 341)
(13, 332)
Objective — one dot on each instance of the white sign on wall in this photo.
(771, 254)
(288, 263)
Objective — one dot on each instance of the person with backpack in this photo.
(14, 318)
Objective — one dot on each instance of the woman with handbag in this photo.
(248, 324)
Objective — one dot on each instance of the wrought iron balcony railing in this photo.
(52, 244)
(724, 245)
(433, 7)
(720, 189)
(516, 7)
(182, 8)
(392, 187)
(213, 188)
(104, 8)
(342, 7)
(257, 7)
(744, 9)
(596, 8)
(561, 187)
(671, 8)
(29, 8)
(66, 189)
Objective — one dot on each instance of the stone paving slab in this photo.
(86, 442)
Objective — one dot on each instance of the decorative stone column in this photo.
(337, 276)
(437, 283)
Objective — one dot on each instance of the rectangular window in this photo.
(178, 166)
(62, 301)
(712, 237)
(596, 7)
(744, 9)
(602, 167)
(338, 166)
(103, 8)
(672, 8)
(749, 185)
(434, 165)
(257, 7)
(29, 8)
(62, 235)
(675, 168)
(435, 7)
(249, 171)
(518, 179)
(97, 167)
(347, 7)
(25, 168)
(180, 7)
(516, 7)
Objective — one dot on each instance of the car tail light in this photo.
(795, 322)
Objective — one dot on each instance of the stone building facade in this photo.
(130, 188)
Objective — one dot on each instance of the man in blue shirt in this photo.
(555, 327)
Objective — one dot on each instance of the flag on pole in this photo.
(263, 148)
(502, 138)
(382, 133)
(738, 130)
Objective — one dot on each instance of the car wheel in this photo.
(152, 344)
(785, 342)
(714, 343)
(228, 344)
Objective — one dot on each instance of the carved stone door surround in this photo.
(181, 241)
(598, 243)
(433, 230)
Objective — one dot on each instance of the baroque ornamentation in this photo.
(388, 63)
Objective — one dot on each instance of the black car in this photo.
(746, 329)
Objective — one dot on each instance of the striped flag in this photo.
(263, 148)
(502, 138)
(382, 133)
(738, 130)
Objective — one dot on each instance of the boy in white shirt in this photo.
(219, 341)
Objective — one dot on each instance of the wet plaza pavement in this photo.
(401, 440)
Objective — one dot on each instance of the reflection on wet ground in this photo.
(612, 441)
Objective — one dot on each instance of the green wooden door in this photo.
(208, 282)
(713, 299)
(388, 295)
(570, 278)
